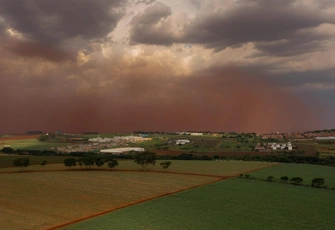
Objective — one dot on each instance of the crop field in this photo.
(216, 168)
(219, 168)
(306, 171)
(230, 204)
(48, 199)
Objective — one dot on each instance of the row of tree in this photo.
(316, 182)
(90, 160)
(144, 159)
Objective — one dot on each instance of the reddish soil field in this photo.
(18, 137)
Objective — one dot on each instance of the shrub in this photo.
(165, 164)
(297, 180)
(284, 178)
(318, 182)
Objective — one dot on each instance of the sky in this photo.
(113, 66)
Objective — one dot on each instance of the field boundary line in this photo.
(219, 178)
(130, 170)
(137, 202)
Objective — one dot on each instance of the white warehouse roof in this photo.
(122, 150)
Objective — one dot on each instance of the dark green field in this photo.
(305, 171)
(231, 204)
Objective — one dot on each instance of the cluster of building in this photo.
(119, 139)
(178, 142)
(83, 147)
(191, 133)
(317, 135)
(118, 151)
(95, 144)
(260, 147)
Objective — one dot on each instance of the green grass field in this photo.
(43, 200)
(305, 171)
(230, 204)
(33, 144)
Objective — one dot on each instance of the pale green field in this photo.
(43, 200)
(32, 144)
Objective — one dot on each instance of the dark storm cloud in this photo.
(266, 23)
(53, 21)
(144, 27)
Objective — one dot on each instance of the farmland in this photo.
(42, 200)
(305, 171)
(229, 204)
(217, 168)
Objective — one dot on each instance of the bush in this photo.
(318, 182)
(270, 178)
(165, 164)
(284, 178)
(21, 162)
(297, 180)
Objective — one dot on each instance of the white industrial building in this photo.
(118, 151)
(182, 142)
(324, 138)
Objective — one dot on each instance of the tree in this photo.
(88, 161)
(43, 138)
(145, 158)
(7, 150)
(21, 162)
(318, 182)
(99, 161)
(166, 164)
(80, 162)
(270, 178)
(69, 162)
(284, 178)
(297, 180)
(44, 162)
(111, 162)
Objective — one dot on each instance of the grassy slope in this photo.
(305, 171)
(231, 204)
(43, 200)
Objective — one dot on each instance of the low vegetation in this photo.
(165, 164)
(233, 204)
(285, 173)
